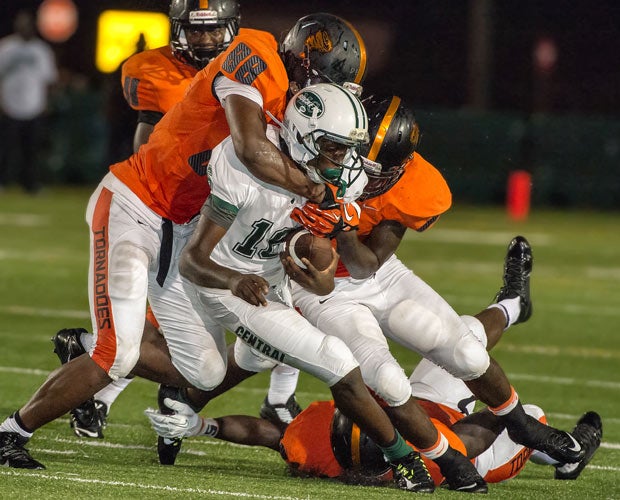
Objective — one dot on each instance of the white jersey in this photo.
(254, 240)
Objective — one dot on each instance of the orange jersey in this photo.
(307, 443)
(416, 201)
(169, 172)
(155, 80)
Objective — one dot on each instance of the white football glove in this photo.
(184, 422)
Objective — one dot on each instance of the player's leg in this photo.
(267, 329)
(117, 289)
(280, 405)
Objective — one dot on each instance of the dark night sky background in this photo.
(418, 48)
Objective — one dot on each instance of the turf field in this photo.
(566, 358)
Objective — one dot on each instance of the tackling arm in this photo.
(364, 259)
(262, 158)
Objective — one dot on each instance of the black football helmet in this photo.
(203, 15)
(323, 48)
(354, 450)
(394, 136)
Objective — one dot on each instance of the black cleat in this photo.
(67, 344)
(280, 414)
(559, 445)
(13, 454)
(89, 419)
(167, 448)
(460, 474)
(589, 432)
(410, 474)
(517, 269)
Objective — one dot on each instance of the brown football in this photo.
(302, 243)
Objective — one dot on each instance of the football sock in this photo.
(210, 427)
(14, 424)
(510, 404)
(510, 307)
(282, 385)
(397, 449)
(111, 391)
(437, 450)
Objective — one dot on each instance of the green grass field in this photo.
(565, 359)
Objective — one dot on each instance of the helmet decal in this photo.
(310, 104)
(198, 16)
(320, 41)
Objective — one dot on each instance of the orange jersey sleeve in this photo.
(307, 442)
(253, 59)
(155, 80)
(416, 200)
(169, 172)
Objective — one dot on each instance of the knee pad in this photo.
(390, 382)
(470, 359)
(476, 328)
(209, 374)
(341, 363)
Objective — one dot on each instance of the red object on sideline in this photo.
(518, 194)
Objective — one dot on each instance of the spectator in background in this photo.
(27, 70)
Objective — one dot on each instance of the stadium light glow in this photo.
(118, 32)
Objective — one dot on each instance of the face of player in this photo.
(205, 38)
(330, 159)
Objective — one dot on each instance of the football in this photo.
(302, 243)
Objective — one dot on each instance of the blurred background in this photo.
(516, 100)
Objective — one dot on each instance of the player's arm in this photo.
(264, 160)
(146, 123)
(364, 259)
(197, 266)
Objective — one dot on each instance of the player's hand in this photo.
(313, 280)
(184, 422)
(351, 213)
(330, 198)
(249, 287)
(323, 223)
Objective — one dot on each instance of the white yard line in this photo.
(140, 486)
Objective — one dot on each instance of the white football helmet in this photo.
(327, 111)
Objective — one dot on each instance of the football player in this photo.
(235, 278)
(146, 208)
(153, 81)
(322, 442)
(384, 299)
